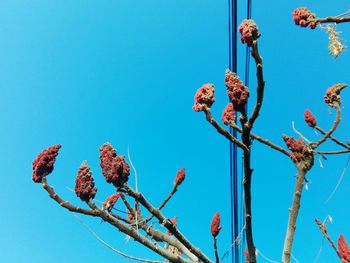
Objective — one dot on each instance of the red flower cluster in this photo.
(310, 118)
(304, 18)
(236, 91)
(296, 146)
(344, 250)
(111, 201)
(249, 32)
(44, 162)
(180, 177)
(215, 225)
(84, 183)
(204, 97)
(332, 95)
(114, 167)
(228, 114)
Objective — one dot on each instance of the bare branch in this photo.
(263, 140)
(332, 138)
(216, 251)
(222, 131)
(324, 232)
(166, 223)
(330, 19)
(64, 203)
(293, 215)
(261, 84)
(112, 248)
(333, 128)
(331, 152)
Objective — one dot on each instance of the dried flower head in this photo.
(229, 114)
(332, 96)
(84, 183)
(204, 97)
(44, 163)
(344, 250)
(111, 201)
(300, 152)
(215, 225)
(304, 17)
(114, 167)
(249, 32)
(236, 91)
(180, 177)
(310, 118)
(335, 42)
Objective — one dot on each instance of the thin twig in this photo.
(332, 138)
(64, 203)
(216, 251)
(336, 20)
(331, 152)
(324, 232)
(262, 140)
(166, 223)
(111, 247)
(222, 131)
(333, 128)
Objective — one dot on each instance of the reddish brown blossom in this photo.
(215, 225)
(310, 118)
(180, 177)
(236, 91)
(84, 183)
(111, 201)
(296, 146)
(344, 250)
(114, 167)
(228, 114)
(304, 18)
(44, 163)
(204, 97)
(249, 32)
(332, 96)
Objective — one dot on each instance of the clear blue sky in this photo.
(81, 73)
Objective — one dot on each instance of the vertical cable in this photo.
(232, 7)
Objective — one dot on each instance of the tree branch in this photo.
(333, 128)
(333, 138)
(262, 140)
(222, 131)
(293, 215)
(216, 251)
(64, 203)
(166, 223)
(324, 232)
(329, 19)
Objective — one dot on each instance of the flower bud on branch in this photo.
(344, 250)
(236, 91)
(204, 97)
(229, 114)
(215, 225)
(84, 183)
(304, 18)
(111, 201)
(333, 94)
(249, 32)
(114, 167)
(180, 177)
(310, 118)
(44, 163)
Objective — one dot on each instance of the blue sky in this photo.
(81, 73)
